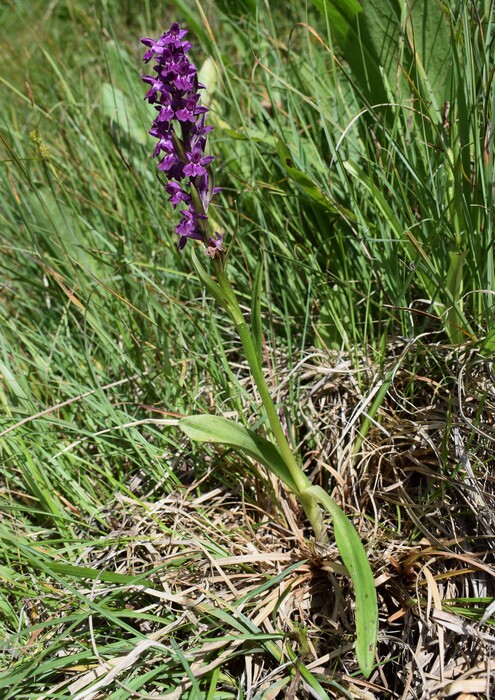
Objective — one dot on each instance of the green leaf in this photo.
(221, 431)
(368, 34)
(256, 323)
(208, 75)
(121, 115)
(340, 13)
(354, 557)
(215, 429)
(430, 39)
(487, 346)
(454, 285)
(304, 181)
(126, 115)
(387, 44)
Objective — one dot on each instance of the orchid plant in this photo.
(181, 149)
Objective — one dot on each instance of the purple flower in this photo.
(171, 38)
(185, 76)
(156, 48)
(215, 245)
(181, 131)
(175, 35)
(165, 143)
(177, 194)
(190, 109)
(196, 163)
(168, 162)
(166, 114)
(156, 85)
(171, 60)
(189, 226)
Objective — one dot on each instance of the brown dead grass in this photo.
(428, 457)
(421, 493)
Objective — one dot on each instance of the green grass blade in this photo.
(256, 321)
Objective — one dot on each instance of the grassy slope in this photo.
(109, 529)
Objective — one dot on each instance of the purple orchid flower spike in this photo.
(180, 127)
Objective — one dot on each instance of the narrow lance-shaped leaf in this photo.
(304, 181)
(354, 557)
(206, 428)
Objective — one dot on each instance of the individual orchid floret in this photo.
(197, 163)
(215, 246)
(181, 131)
(190, 110)
(189, 226)
(156, 85)
(165, 143)
(171, 38)
(177, 194)
(185, 75)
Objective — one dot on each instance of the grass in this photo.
(135, 564)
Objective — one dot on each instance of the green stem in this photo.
(309, 504)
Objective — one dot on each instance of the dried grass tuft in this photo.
(419, 487)
(422, 489)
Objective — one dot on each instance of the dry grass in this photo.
(421, 492)
(424, 478)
